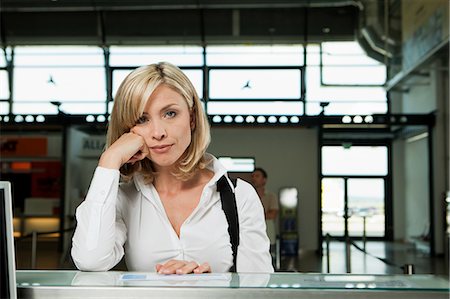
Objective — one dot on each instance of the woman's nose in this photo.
(152, 129)
(158, 130)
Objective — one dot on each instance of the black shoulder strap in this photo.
(230, 209)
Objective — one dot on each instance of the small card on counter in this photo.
(173, 277)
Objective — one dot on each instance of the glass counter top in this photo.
(279, 280)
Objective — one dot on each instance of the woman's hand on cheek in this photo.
(143, 151)
(129, 148)
(182, 267)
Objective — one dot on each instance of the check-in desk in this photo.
(76, 284)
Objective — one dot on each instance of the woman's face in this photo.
(165, 126)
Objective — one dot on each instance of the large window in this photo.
(124, 59)
(118, 75)
(241, 79)
(275, 55)
(264, 80)
(137, 56)
(4, 82)
(341, 74)
(71, 76)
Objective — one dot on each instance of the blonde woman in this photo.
(153, 196)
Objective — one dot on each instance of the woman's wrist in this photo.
(108, 161)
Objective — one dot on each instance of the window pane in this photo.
(350, 59)
(57, 73)
(137, 56)
(59, 84)
(4, 108)
(342, 99)
(4, 85)
(255, 84)
(345, 53)
(356, 160)
(117, 77)
(58, 56)
(313, 54)
(84, 108)
(366, 199)
(196, 77)
(333, 207)
(347, 108)
(2, 58)
(316, 92)
(276, 55)
(238, 164)
(255, 108)
(342, 48)
(110, 106)
(34, 108)
(370, 75)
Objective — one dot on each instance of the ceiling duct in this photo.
(373, 34)
(376, 42)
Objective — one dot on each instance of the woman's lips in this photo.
(161, 149)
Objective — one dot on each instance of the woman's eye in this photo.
(171, 114)
(142, 119)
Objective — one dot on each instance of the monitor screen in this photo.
(7, 259)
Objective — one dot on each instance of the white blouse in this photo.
(130, 219)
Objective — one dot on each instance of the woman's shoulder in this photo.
(247, 200)
(245, 191)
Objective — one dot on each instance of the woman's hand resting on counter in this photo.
(182, 267)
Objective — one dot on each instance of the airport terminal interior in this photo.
(345, 104)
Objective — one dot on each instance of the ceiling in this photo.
(103, 22)
(89, 5)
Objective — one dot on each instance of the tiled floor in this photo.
(382, 258)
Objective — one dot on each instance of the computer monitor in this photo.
(7, 256)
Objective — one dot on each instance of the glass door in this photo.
(366, 207)
(354, 191)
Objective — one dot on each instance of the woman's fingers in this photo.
(137, 157)
(187, 268)
(182, 267)
(171, 266)
(203, 268)
(158, 267)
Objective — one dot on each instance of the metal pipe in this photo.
(364, 233)
(348, 265)
(277, 254)
(327, 240)
(33, 249)
(408, 269)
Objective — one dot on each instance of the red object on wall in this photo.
(23, 146)
(21, 166)
(46, 179)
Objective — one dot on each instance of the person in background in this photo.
(270, 203)
(153, 197)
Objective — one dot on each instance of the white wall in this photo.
(440, 139)
(416, 187)
(398, 190)
(290, 156)
(427, 98)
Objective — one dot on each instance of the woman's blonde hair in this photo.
(129, 103)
